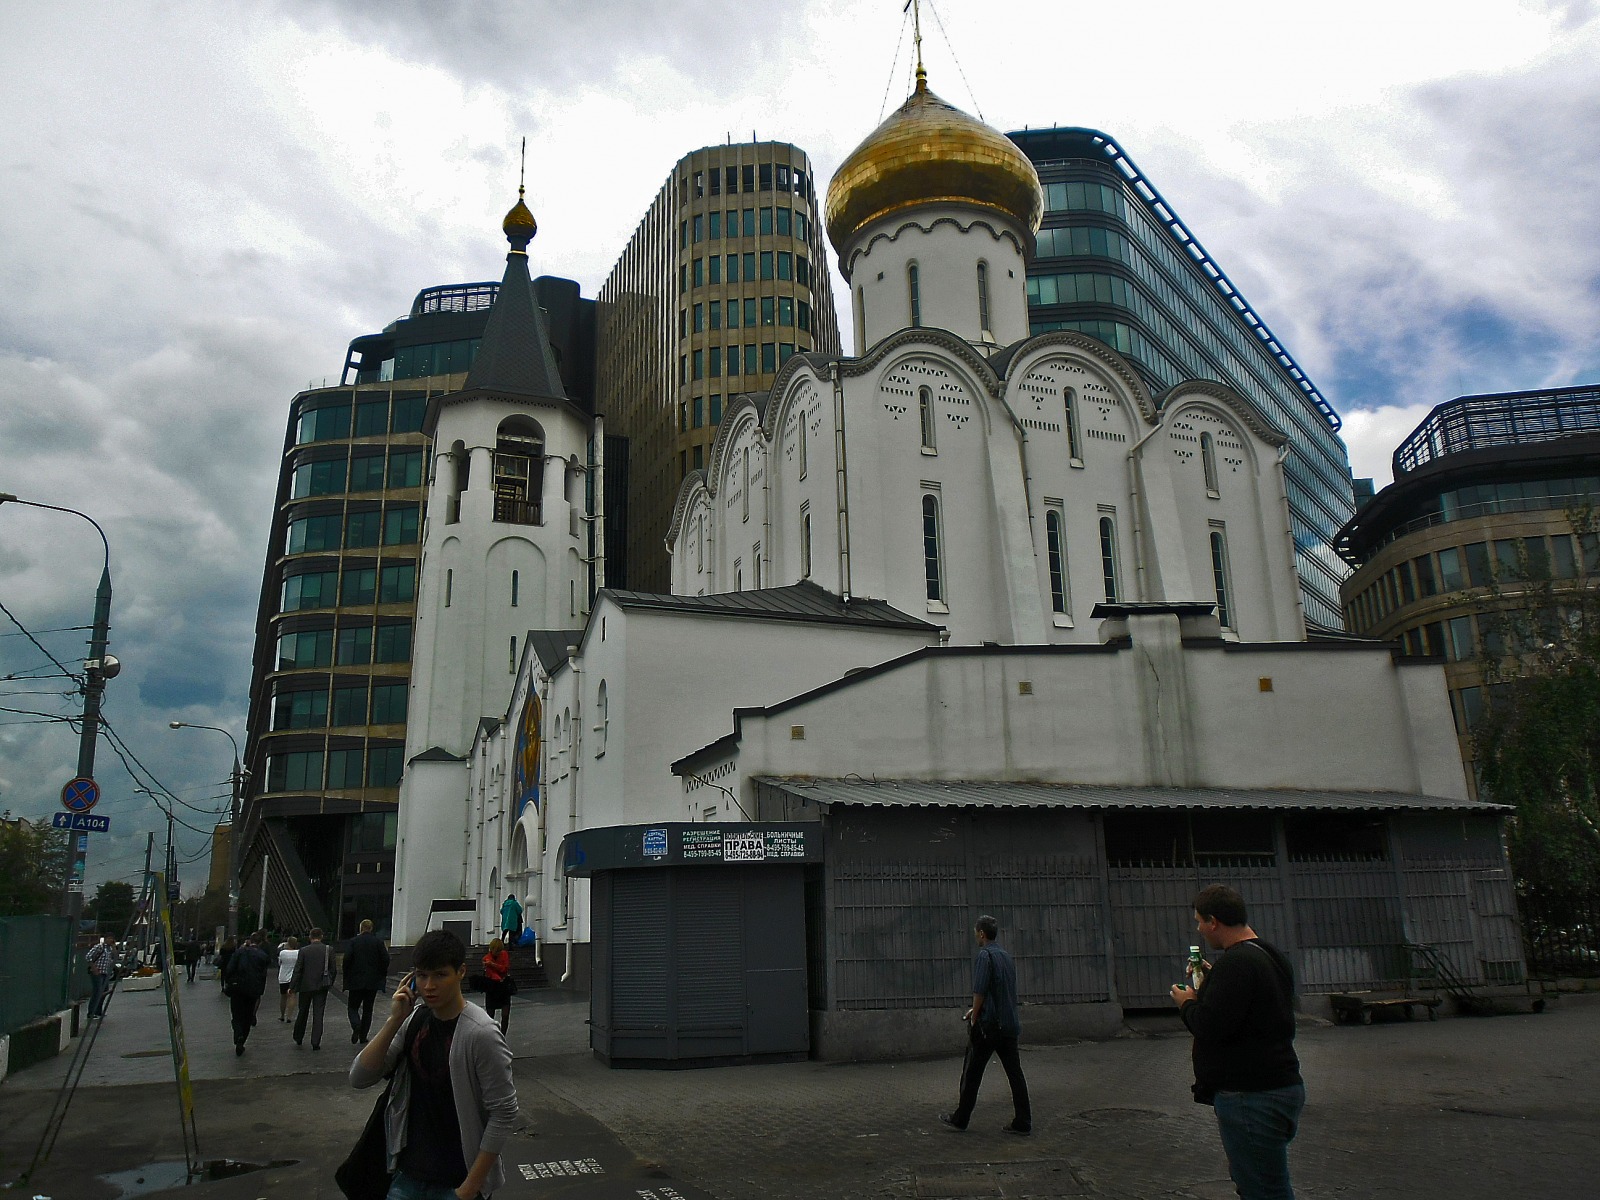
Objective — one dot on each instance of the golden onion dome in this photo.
(519, 225)
(930, 152)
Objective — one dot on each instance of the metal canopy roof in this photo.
(995, 794)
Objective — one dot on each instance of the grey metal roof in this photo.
(803, 601)
(996, 794)
(551, 645)
(514, 355)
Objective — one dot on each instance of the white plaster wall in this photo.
(947, 243)
(432, 843)
(1339, 719)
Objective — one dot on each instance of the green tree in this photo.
(113, 906)
(33, 867)
(1538, 740)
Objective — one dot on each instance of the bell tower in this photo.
(503, 552)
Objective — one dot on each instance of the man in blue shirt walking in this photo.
(992, 1029)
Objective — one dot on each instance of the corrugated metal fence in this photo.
(36, 969)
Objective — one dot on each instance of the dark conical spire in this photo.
(515, 354)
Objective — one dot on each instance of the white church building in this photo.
(1011, 633)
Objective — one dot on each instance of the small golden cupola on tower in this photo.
(930, 152)
(519, 225)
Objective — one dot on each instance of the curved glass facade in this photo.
(1113, 262)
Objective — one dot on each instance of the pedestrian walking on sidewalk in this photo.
(366, 970)
(244, 981)
(102, 963)
(311, 979)
(224, 953)
(287, 953)
(453, 1103)
(992, 1029)
(496, 982)
(1241, 1013)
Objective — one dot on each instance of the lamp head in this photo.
(174, 724)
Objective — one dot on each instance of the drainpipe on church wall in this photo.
(1288, 532)
(841, 482)
(1136, 504)
(575, 735)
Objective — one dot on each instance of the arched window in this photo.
(914, 286)
(602, 719)
(1074, 434)
(932, 549)
(1056, 551)
(1208, 462)
(461, 461)
(745, 479)
(738, 575)
(514, 581)
(555, 750)
(511, 662)
(983, 297)
(805, 540)
(805, 440)
(518, 471)
(861, 320)
(449, 586)
(1108, 557)
(925, 417)
(1219, 576)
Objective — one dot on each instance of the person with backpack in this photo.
(244, 979)
(453, 1103)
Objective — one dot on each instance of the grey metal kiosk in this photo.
(697, 941)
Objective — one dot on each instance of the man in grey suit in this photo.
(313, 976)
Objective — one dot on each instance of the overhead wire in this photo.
(40, 645)
(955, 59)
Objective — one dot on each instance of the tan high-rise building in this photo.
(725, 278)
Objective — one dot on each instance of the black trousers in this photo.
(359, 1002)
(243, 1011)
(979, 1049)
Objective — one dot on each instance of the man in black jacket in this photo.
(993, 1027)
(366, 969)
(1241, 1013)
(244, 978)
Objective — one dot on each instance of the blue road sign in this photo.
(85, 822)
(80, 794)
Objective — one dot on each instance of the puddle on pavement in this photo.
(159, 1176)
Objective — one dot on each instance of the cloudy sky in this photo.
(203, 203)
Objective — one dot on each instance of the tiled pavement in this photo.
(1468, 1109)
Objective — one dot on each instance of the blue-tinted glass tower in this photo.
(1115, 262)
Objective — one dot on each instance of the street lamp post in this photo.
(236, 783)
(98, 668)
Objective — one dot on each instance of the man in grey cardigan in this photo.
(453, 1103)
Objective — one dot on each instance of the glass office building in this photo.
(1115, 262)
(325, 736)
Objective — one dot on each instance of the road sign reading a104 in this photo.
(80, 794)
(85, 822)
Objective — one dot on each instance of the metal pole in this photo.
(266, 865)
(236, 786)
(96, 671)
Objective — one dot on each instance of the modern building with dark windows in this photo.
(725, 278)
(1115, 262)
(1481, 503)
(331, 673)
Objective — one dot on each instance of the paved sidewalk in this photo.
(1469, 1109)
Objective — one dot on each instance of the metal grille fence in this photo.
(36, 962)
(1561, 934)
(901, 935)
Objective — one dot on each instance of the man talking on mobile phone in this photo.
(453, 1103)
